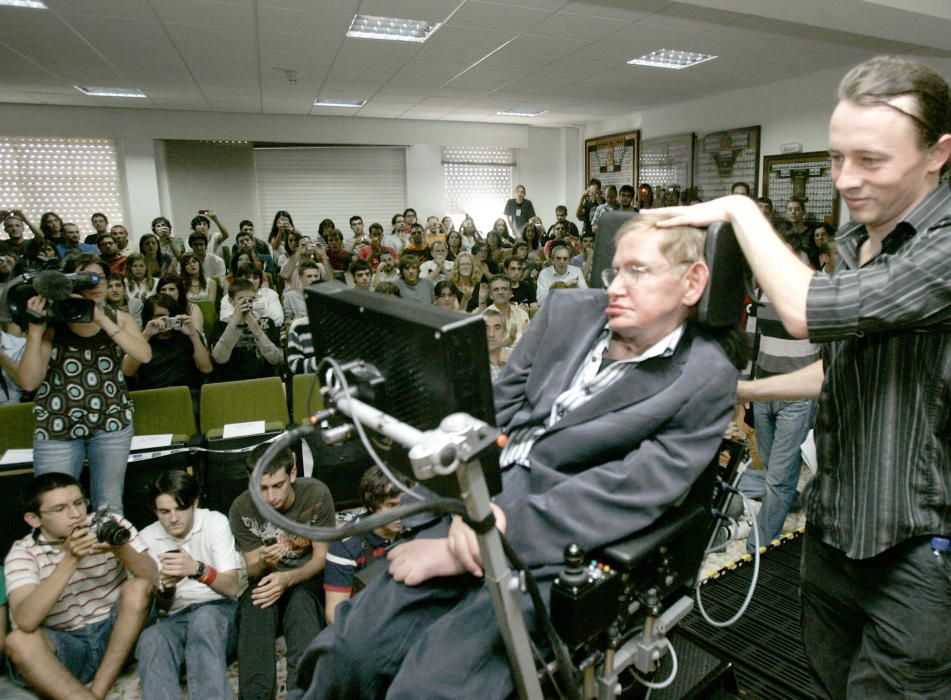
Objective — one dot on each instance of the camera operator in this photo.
(179, 354)
(875, 597)
(82, 406)
(76, 610)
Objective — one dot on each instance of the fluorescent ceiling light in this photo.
(391, 28)
(339, 103)
(109, 92)
(520, 113)
(671, 58)
(32, 4)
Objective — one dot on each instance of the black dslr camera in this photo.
(108, 529)
(58, 288)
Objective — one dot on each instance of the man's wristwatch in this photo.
(200, 571)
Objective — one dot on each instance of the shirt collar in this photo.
(853, 235)
(664, 347)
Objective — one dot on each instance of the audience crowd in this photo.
(196, 587)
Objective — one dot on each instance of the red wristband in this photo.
(211, 573)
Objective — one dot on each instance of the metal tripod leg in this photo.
(502, 584)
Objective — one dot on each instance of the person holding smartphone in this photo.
(245, 346)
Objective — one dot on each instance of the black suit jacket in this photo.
(613, 465)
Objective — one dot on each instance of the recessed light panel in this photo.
(671, 58)
(391, 28)
(353, 104)
(32, 4)
(110, 91)
(520, 113)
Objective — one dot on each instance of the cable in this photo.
(667, 681)
(366, 524)
(748, 509)
(566, 667)
(367, 445)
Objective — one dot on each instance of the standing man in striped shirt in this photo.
(76, 610)
(875, 592)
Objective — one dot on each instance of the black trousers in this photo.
(436, 640)
(878, 627)
(302, 613)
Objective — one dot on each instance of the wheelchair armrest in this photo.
(627, 554)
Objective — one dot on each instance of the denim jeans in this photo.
(781, 428)
(108, 454)
(202, 636)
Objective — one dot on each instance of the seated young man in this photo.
(410, 284)
(75, 608)
(284, 573)
(245, 347)
(267, 302)
(295, 303)
(354, 554)
(614, 403)
(198, 585)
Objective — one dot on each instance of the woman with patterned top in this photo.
(82, 406)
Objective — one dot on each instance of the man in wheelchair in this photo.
(614, 403)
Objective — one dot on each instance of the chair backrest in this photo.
(18, 422)
(304, 393)
(161, 411)
(239, 402)
(207, 307)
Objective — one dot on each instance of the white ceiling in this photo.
(568, 58)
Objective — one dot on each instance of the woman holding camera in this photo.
(82, 405)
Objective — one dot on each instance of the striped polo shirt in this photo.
(92, 591)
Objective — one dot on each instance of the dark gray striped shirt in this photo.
(884, 418)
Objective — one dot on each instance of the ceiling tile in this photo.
(298, 22)
(569, 26)
(492, 15)
(206, 12)
(487, 39)
(546, 45)
(133, 9)
(433, 10)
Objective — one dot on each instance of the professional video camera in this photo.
(58, 287)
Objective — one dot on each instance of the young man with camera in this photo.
(76, 610)
(244, 346)
(198, 585)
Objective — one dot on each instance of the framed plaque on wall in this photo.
(807, 176)
(666, 164)
(612, 159)
(725, 157)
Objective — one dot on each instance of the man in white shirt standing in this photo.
(196, 597)
(560, 271)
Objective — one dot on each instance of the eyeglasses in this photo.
(632, 273)
(79, 504)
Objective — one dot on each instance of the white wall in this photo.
(546, 152)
